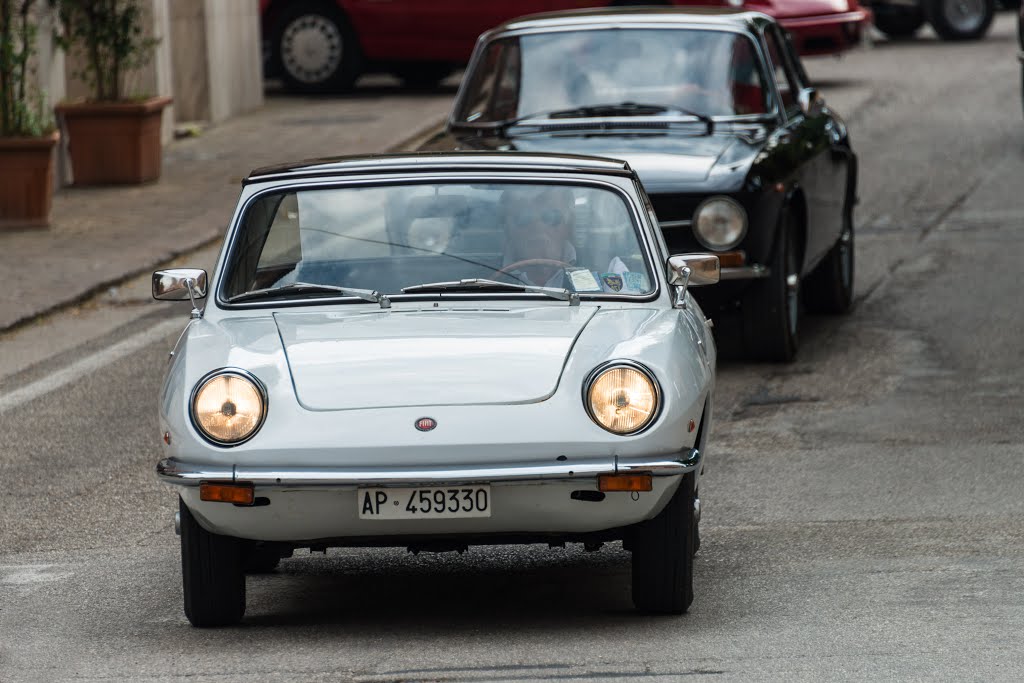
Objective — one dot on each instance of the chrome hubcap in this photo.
(311, 48)
(964, 15)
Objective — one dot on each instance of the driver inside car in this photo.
(539, 249)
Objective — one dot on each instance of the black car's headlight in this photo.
(719, 223)
(622, 397)
(228, 406)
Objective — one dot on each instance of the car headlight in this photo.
(228, 406)
(622, 397)
(719, 223)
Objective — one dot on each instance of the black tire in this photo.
(829, 289)
(211, 573)
(332, 59)
(960, 19)
(663, 550)
(422, 76)
(771, 307)
(260, 558)
(899, 21)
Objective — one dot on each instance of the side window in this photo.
(785, 80)
(495, 85)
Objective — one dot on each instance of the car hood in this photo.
(343, 361)
(665, 162)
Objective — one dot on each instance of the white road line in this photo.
(89, 364)
(31, 574)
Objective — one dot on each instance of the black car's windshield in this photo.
(681, 70)
(484, 238)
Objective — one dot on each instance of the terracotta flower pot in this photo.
(114, 143)
(26, 189)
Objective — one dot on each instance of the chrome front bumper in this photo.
(753, 272)
(180, 473)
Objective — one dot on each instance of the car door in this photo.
(807, 142)
(439, 29)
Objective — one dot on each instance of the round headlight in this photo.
(622, 398)
(228, 407)
(719, 223)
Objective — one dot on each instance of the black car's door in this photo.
(809, 138)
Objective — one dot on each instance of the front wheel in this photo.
(771, 308)
(211, 573)
(960, 19)
(829, 289)
(663, 550)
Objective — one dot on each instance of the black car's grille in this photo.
(675, 213)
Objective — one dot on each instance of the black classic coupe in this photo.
(712, 108)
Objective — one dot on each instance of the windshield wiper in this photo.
(481, 284)
(612, 109)
(370, 295)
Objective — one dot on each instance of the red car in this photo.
(323, 45)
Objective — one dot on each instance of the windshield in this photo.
(479, 238)
(712, 73)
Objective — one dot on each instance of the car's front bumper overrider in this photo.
(181, 473)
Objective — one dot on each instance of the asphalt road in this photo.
(863, 517)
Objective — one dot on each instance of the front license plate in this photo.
(425, 503)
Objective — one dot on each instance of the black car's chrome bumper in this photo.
(190, 474)
(752, 272)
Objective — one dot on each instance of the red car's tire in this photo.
(960, 19)
(316, 48)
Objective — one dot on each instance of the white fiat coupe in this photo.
(433, 352)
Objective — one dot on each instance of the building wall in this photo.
(216, 58)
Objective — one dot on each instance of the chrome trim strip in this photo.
(753, 272)
(675, 224)
(173, 471)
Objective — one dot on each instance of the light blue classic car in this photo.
(438, 351)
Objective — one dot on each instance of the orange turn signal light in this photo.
(239, 493)
(624, 482)
(732, 259)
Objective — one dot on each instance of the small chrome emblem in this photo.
(425, 424)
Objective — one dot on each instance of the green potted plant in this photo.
(113, 137)
(27, 136)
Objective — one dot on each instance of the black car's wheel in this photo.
(899, 21)
(211, 572)
(960, 19)
(771, 308)
(663, 550)
(316, 48)
(422, 76)
(829, 289)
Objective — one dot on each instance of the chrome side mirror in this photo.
(691, 269)
(179, 284)
(810, 101)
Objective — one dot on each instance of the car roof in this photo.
(439, 162)
(618, 16)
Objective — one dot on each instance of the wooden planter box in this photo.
(114, 143)
(26, 181)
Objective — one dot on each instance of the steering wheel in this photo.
(506, 270)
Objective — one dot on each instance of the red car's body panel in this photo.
(446, 30)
